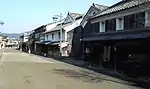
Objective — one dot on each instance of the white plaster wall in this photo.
(90, 12)
(25, 39)
(68, 19)
(55, 38)
(119, 24)
(147, 18)
(102, 27)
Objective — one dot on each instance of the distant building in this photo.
(3, 40)
(38, 38)
(24, 38)
(12, 42)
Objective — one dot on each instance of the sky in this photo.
(25, 15)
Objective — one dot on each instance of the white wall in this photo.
(49, 37)
(90, 12)
(1, 38)
(147, 18)
(120, 23)
(25, 39)
(68, 19)
(55, 38)
(102, 26)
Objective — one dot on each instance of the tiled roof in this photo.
(75, 15)
(89, 14)
(58, 27)
(51, 26)
(122, 5)
(100, 7)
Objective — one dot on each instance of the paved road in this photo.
(23, 71)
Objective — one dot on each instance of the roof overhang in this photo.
(120, 35)
(73, 25)
(51, 26)
(86, 17)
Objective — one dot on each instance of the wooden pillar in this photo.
(101, 60)
(83, 50)
(115, 59)
(35, 47)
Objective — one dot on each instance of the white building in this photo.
(53, 35)
(24, 37)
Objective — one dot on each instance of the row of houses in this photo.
(115, 37)
(46, 38)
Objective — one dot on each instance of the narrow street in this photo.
(20, 70)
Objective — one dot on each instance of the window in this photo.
(119, 23)
(102, 27)
(95, 27)
(110, 25)
(52, 36)
(59, 35)
(147, 18)
(129, 21)
(37, 35)
(140, 20)
(134, 21)
(47, 37)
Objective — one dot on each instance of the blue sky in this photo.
(24, 15)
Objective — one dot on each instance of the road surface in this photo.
(20, 70)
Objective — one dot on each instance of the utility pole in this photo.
(55, 18)
(1, 23)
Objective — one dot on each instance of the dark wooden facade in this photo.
(76, 50)
(38, 32)
(37, 41)
(126, 50)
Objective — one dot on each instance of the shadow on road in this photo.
(86, 77)
(130, 81)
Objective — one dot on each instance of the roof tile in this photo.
(100, 7)
(124, 4)
(75, 15)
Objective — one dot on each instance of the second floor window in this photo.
(102, 27)
(140, 19)
(110, 25)
(47, 37)
(37, 35)
(120, 23)
(134, 21)
(59, 35)
(95, 27)
(52, 36)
